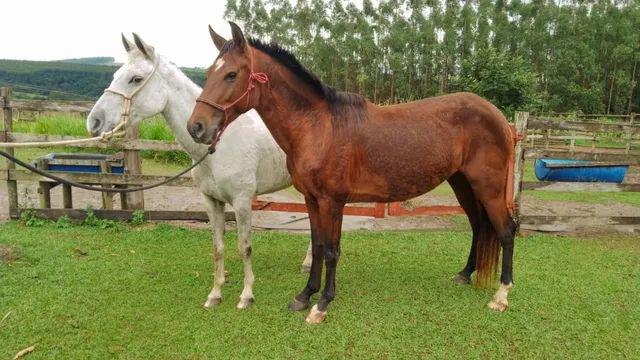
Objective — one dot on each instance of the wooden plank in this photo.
(560, 137)
(302, 208)
(133, 166)
(125, 144)
(53, 106)
(629, 134)
(12, 185)
(107, 198)
(587, 126)
(396, 209)
(153, 215)
(44, 192)
(579, 186)
(67, 196)
(553, 219)
(521, 125)
(580, 154)
(97, 179)
(591, 164)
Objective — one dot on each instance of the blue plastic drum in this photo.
(546, 171)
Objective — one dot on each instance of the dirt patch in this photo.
(8, 254)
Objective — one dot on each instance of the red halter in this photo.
(261, 78)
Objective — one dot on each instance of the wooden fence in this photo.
(543, 137)
(580, 138)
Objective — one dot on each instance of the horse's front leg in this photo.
(215, 211)
(330, 231)
(243, 219)
(301, 301)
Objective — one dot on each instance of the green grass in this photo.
(138, 293)
(74, 125)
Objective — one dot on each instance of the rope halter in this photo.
(126, 103)
(254, 77)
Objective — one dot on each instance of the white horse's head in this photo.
(140, 76)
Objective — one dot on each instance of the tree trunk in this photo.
(633, 86)
(613, 80)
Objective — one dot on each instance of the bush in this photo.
(505, 80)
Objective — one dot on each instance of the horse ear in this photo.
(128, 46)
(147, 50)
(238, 37)
(218, 40)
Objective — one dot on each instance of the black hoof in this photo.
(462, 279)
(297, 305)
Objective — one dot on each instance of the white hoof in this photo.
(305, 269)
(244, 303)
(499, 302)
(498, 305)
(316, 316)
(212, 302)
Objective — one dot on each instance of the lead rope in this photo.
(95, 188)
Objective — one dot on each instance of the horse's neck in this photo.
(292, 114)
(179, 106)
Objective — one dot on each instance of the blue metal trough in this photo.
(579, 171)
(79, 162)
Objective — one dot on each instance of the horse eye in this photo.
(136, 79)
(231, 76)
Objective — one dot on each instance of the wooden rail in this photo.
(52, 106)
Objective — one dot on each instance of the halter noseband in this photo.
(259, 77)
(126, 103)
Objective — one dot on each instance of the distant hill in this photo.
(100, 60)
(71, 79)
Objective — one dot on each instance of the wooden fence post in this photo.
(521, 120)
(12, 185)
(630, 133)
(133, 166)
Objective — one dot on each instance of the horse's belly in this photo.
(399, 187)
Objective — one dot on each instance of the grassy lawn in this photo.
(137, 293)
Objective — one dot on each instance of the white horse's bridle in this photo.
(126, 101)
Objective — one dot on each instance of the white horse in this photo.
(247, 161)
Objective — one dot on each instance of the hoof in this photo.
(305, 269)
(245, 303)
(316, 316)
(297, 305)
(461, 279)
(500, 306)
(212, 302)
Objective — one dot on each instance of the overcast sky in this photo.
(62, 29)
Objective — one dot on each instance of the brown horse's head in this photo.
(225, 94)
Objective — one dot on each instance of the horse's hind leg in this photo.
(215, 211)
(473, 210)
(500, 232)
(505, 229)
(242, 206)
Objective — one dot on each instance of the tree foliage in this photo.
(569, 55)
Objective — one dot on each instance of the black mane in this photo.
(337, 99)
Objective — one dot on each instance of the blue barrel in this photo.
(552, 170)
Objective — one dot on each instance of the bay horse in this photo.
(341, 148)
(247, 162)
